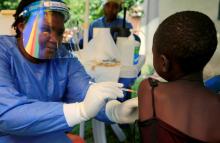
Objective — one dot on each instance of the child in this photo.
(181, 110)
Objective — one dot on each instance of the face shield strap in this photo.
(46, 6)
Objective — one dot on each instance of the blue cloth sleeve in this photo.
(101, 116)
(129, 25)
(90, 31)
(213, 84)
(22, 116)
(77, 83)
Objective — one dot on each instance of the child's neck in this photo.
(198, 77)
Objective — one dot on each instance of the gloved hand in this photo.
(125, 112)
(97, 95)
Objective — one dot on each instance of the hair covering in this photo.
(119, 2)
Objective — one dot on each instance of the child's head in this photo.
(183, 44)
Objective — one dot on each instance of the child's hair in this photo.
(188, 38)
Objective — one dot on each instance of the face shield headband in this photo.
(35, 33)
(46, 6)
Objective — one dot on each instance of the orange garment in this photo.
(75, 138)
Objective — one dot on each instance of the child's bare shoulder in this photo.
(146, 85)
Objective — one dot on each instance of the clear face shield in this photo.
(44, 28)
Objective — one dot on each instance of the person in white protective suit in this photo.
(45, 91)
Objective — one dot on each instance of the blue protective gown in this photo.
(32, 95)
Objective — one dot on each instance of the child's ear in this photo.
(165, 63)
(21, 26)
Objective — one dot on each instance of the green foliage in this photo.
(95, 9)
(8, 4)
(129, 3)
(148, 70)
(77, 9)
(136, 86)
(131, 133)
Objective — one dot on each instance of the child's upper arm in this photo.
(145, 100)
